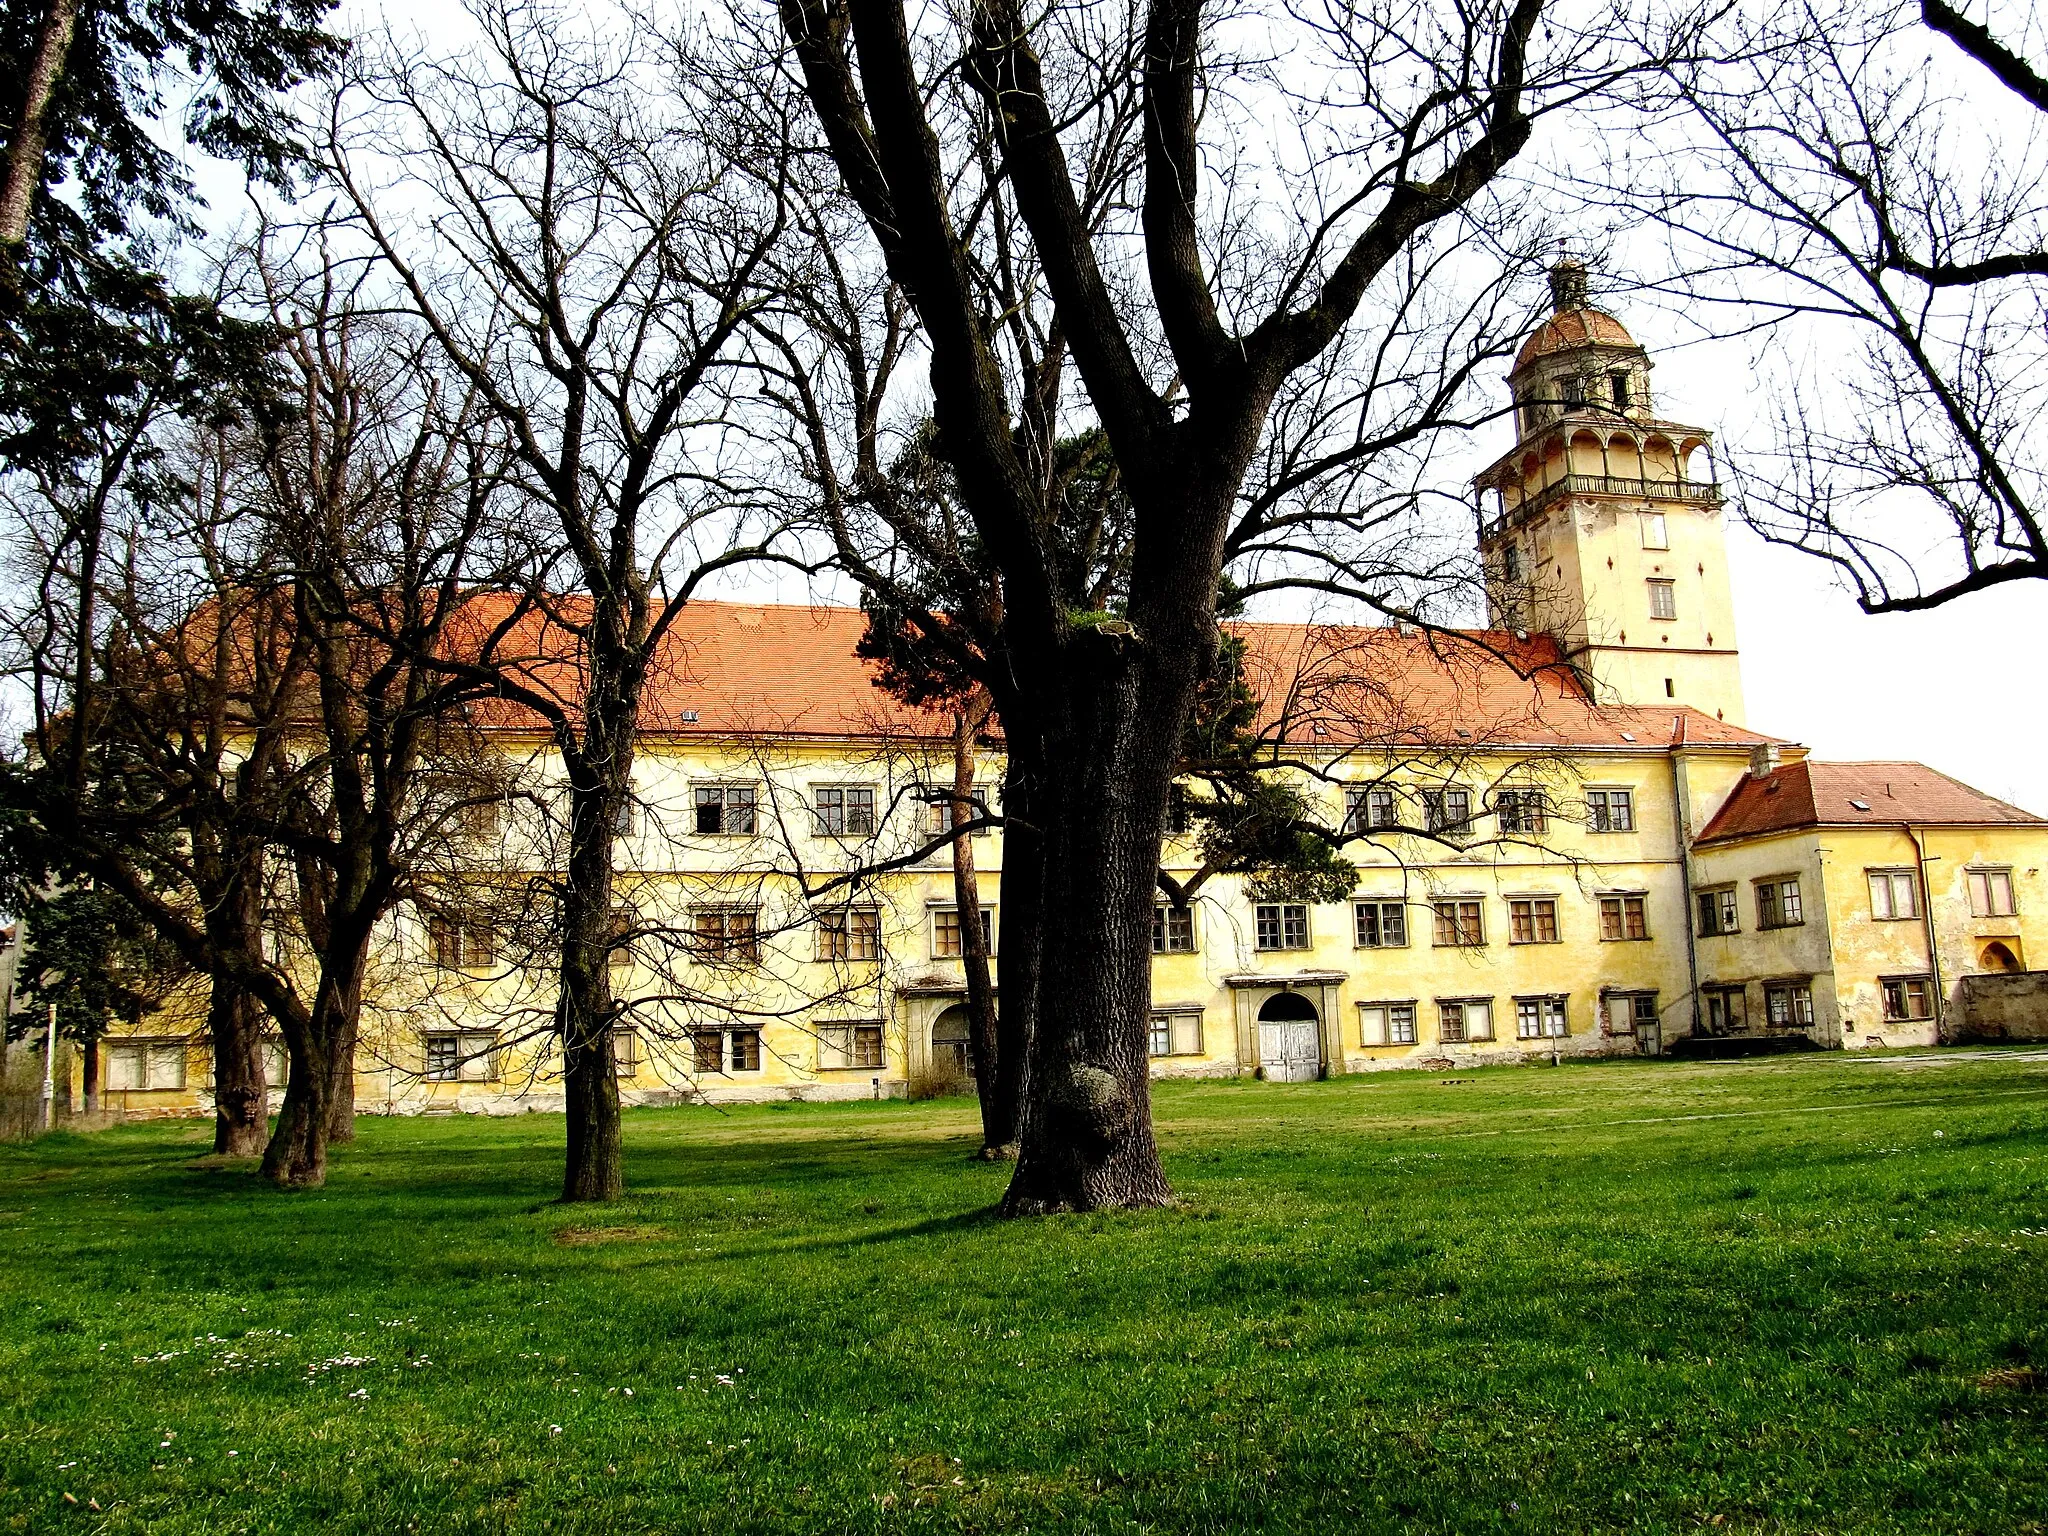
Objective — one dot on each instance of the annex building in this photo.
(1570, 840)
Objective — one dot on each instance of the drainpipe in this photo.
(1692, 955)
(1927, 922)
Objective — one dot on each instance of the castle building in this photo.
(1569, 841)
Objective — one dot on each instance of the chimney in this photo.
(1763, 760)
(1568, 285)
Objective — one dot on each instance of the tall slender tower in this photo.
(1603, 526)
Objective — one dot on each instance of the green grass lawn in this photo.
(1798, 1295)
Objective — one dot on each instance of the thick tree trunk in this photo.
(92, 1075)
(1018, 958)
(241, 1111)
(24, 170)
(325, 1057)
(341, 1086)
(594, 1168)
(1087, 1135)
(998, 1132)
(297, 1155)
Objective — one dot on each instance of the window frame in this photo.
(1177, 1022)
(1986, 874)
(1539, 908)
(957, 952)
(1370, 808)
(1891, 875)
(724, 790)
(461, 941)
(1797, 994)
(1165, 929)
(1437, 818)
(148, 1052)
(1609, 799)
(1645, 521)
(850, 1051)
(1379, 907)
(1463, 1031)
(1915, 984)
(1777, 911)
(1550, 1008)
(627, 1053)
(1663, 594)
(1726, 908)
(849, 935)
(1283, 926)
(728, 1046)
(1721, 993)
(1621, 901)
(473, 1056)
(724, 947)
(1391, 1011)
(822, 822)
(1477, 913)
(1522, 809)
(1623, 1014)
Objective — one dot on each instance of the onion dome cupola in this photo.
(1580, 361)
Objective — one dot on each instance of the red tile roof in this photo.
(1811, 794)
(790, 670)
(1573, 328)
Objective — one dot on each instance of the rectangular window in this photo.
(1908, 997)
(461, 943)
(1459, 923)
(1380, 924)
(140, 1066)
(1173, 929)
(277, 1063)
(1718, 913)
(849, 1047)
(462, 1058)
(1623, 918)
(1610, 810)
(1448, 813)
(1532, 920)
(1522, 810)
(725, 1050)
(1727, 1010)
(1991, 893)
(1175, 1032)
(1629, 1013)
(626, 1052)
(1788, 1004)
(625, 925)
(1280, 925)
(1778, 903)
(946, 931)
(480, 820)
(724, 810)
(1655, 534)
(726, 934)
(944, 819)
(850, 933)
(1617, 388)
(1540, 1018)
(626, 819)
(1386, 1024)
(1464, 1019)
(1368, 809)
(1663, 598)
(846, 812)
(1894, 895)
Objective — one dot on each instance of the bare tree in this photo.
(1083, 203)
(1861, 185)
(574, 222)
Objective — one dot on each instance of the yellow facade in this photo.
(1584, 936)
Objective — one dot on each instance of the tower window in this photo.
(1663, 599)
(1669, 691)
(1617, 381)
(1511, 563)
(1575, 391)
(1655, 534)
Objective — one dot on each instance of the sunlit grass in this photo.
(1808, 1295)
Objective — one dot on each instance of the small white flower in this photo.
(554, 1429)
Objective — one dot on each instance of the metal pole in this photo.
(50, 1071)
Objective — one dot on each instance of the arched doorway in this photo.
(1290, 1039)
(950, 1048)
(1998, 957)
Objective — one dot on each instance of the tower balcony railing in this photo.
(1707, 492)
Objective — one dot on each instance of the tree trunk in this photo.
(92, 1075)
(341, 1086)
(1087, 1135)
(25, 149)
(1018, 960)
(241, 1111)
(998, 1133)
(297, 1155)
(594, 1168)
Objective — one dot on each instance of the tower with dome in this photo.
(1603, 525)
